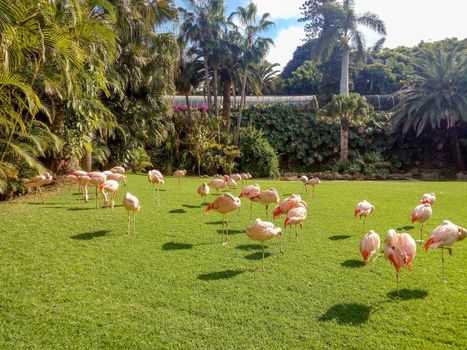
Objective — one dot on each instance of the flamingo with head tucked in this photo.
(263, 231)
(295, 217)
(429, 198)
(250, 192)
(369, 245)
(363, 209)
(37, 182)
(118, 170)
(288, 204)
(179, 174)
(131, 204)
(203, 191)
(400, 249)
(224, 204)
(97, 178)
(156, 177)
(267, 197)
(421, 213)
(444, 236)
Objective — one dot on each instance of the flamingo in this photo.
(75, 174)
(179, 174)
(218, 184)
(422, 214)
(97, 178)
(249, 176)
(363, 209)
(244, 176)
(118, 170)
(267, 197)
(296, 216)
(131, 203)
(444, 236)
(156, 177)
(400, 249)
(116, 176)
(250, 192)
(37, 182)
(429, 198)
(223, 205)
(263, 231)
(112, 187)
(83, 181)
(313, 182)
(203, 191)
(369, 245)
(231, 182)
(287, 204)
(304, 179)
(237, 177)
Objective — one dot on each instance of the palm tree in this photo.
(351, 109)
(436, 95)
(338, 25)
(262, 77)
(254, 46)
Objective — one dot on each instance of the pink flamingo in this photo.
(237, 177)
(231, 182)
(263, 231)
(156, 177)
(203, 191)
(400, 249)
(117, 177)
(97, 178)
(295, 217)
(250, 192)
(118, 170)
(244, 176)
(218, 184)
(287, 204)
(37, 182)
(179, 174)
(429, 198)
(131, 204)
(421, 213)
(75, 174)
(444, 236)
(267, 197)
(369, 245)
(223, 205)
(83, 181)
(363, 209)
(112, 187)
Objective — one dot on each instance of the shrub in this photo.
(258, 157)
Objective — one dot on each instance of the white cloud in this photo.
(285, 43)
(410, 21)
(286, 9)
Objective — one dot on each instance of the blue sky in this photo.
(408, 22)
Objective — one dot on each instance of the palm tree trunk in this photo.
(215, 83)
(344, 140)
(344, 87)
(206, 82)
(456, 151)
(242, 104)
(226, 103)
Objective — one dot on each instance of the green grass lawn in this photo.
(70, 276)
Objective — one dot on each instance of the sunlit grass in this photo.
(70, 276)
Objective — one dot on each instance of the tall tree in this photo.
(255, 47)
(351, 109)
(436, 95)
(333, 23)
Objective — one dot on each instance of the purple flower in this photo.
(179, 108)
(203, 108)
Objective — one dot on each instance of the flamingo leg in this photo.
(281, 250)
(128, 212)
(442, 264)
(421, 233)
(158, 195)
(262, 248)
(134, 223)
(179, 182)
(267, 213)
(223, 223)
(306, 190)
(397, 278)
(40, 195)
(364, 220)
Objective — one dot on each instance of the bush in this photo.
(258, 157)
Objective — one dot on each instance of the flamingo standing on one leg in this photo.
(112, 187)
(116, 176)
(363, 209)
(75, 174)
(267, 197)
(179, 174)
(118, 170)
(263, 231)
(369, 245)
(421, 213)
(444, 236)
(203, 191)
(83, 182)
(231, 182)
(296, 216)
(223, 205)
(250, 192)
(429, 198)
(97, 179)
(313, 182)
(237, 177)
(37, 182)
(288, 204)
(304, 179)
(131, 203)
(218, 184)
(156, 177)
(400, 249)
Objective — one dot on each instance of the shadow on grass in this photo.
(220, 275)
(40, 203)
(191, 206)
(249, 247)
(347, 314)
(231, 232)
(408, 294)
(86, 236)
(177, 211)
(214, 222)
(257, 256)
(81, 208)
(338, 237)
(405, 228)
(176, 246)
(353, 263)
